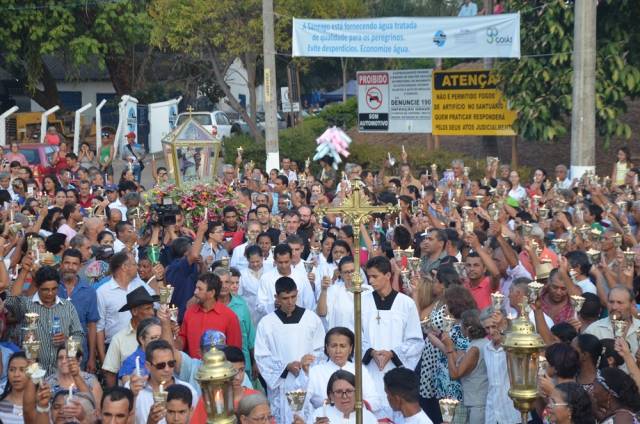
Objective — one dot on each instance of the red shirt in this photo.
(200, 414)
(481, 293)
(196, 321)
(86, 204)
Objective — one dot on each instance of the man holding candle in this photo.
(160, 363)
(620, 304)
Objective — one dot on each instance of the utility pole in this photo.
(270, 92)
(583, 116)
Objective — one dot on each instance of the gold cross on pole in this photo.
(357, 208)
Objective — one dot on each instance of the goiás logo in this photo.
(493, 36)
(439, 38)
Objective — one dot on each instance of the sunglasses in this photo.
(163, 365)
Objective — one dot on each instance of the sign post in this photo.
(394, 101)
(469, 103)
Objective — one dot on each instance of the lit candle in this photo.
(206, 213)
(130, 166)
(324, 408)
(138, 373)
(403, 151)
(70, 397)
(219, 402)
(11, 212)
(161, 387)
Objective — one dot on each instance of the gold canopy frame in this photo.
(191, 152)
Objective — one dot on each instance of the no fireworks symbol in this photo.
(374, 98)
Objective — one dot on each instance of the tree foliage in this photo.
(81, 32)
(539, 85)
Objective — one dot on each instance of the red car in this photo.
(38, 155)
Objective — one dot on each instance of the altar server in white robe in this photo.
(391, 332)
(298, 270)
(267, 289)
(335, 305)
(250, 279)
(330, 269)
(238, 258)
(338, 346)
(287, 340)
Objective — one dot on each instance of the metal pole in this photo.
(270, 97)
(357, 319)
(3, 122)
(583, 115)
(76, 127)
(43, 121)
(99, 126)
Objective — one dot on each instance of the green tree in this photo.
(214, 32)
(80, 32)
(539, 85)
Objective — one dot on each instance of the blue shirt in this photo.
(128, 367)
(182, 277)
(85, 300)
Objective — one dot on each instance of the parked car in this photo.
(215, 122)
(37, 154)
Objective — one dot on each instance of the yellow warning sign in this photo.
(469, 103)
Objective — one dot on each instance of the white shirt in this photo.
(118, 205)
(518, 193)
(119, 246)
(339, 306)
(144, 401)
(499, 407)
(470, 9)
(111, 297)
(419, 418)
(587, 286)
(267, 292)
(248, 289)
(335, 416)
(318, 379)
(238, 260)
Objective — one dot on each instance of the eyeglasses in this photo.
(344, 393)
(553, 404)
(163, 365)
(262, 419)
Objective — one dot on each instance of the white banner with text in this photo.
(463, 37)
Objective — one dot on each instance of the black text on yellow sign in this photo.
(468, 103)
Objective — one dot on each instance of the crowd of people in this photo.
(268, 283)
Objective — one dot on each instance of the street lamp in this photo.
(215, 377)
(523, 346)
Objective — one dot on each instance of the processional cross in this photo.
(357, 208)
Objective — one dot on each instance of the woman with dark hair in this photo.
(569, 403)
(335, 303)
(61, 198)
(610, 356)
(11, 398)
(468, 366)
(72, 197)
(339, 250)
(448, 276)
(432, 320)
(457, 300)
(50, 186)
(616, 397)
(340, 392)
(52, 214)
(68, 372)
(562, 366)
(589, 350)
(338, 346)
(345, 233)
(105, 238)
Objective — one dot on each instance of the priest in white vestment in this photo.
(287, 340)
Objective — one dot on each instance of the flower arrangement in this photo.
(196, 199)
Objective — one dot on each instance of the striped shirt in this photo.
(64, 309)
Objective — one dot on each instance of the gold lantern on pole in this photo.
(191, 152)
(215, 377)
(523, 346)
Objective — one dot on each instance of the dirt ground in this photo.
(530, 153)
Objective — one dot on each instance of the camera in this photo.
(164, 214)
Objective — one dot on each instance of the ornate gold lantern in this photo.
(215, 377)
(523, 346)
(191, 153)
